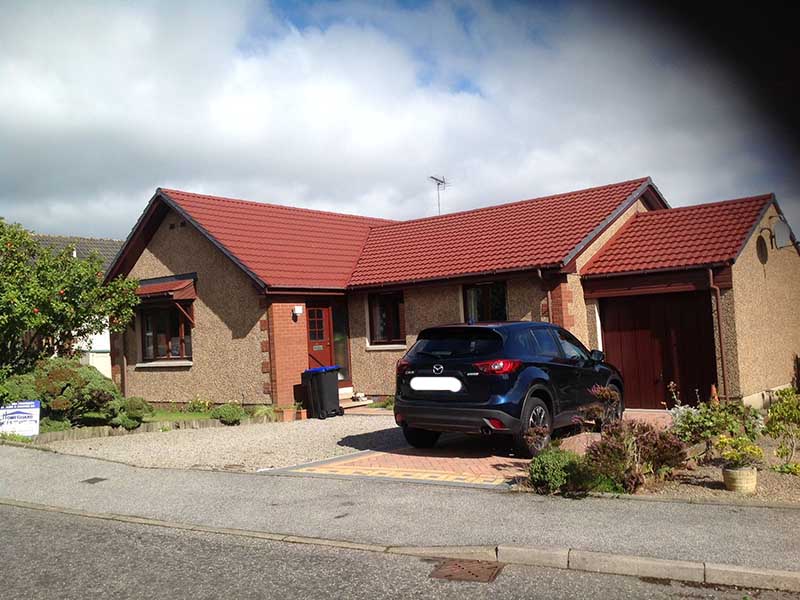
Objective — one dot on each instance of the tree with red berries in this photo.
(49, 300)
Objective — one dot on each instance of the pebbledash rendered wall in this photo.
(373, 367)
(766, 315)
(230, 316)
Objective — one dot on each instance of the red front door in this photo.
(320, 338)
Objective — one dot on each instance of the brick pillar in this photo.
(266, 354)
(288, 343)
(560, 312)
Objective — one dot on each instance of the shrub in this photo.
(198, 405)
(229, 414)
(738, 452)
(783, 424)
(265, 410)
(630, 451)
(124, 421)
(66, 388)
(47, 425)
(15, 437)
(552, 469)
(791, 468)
(713, 419)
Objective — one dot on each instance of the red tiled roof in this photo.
(179, 289)
(282, 245)
(521, 235)
(680, 238)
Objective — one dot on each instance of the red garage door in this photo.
(656, 339)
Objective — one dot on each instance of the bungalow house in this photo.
(238, 298)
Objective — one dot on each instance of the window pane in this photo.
(148, 337)
(387, 321)
(571, 346)
(174, 333)
(485, 302)
(187, 341)
(546, 342)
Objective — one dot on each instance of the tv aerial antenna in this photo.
(441, 184)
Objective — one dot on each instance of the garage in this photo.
(658, 338)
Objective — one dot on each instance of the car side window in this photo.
(572, 348)
(544, 343)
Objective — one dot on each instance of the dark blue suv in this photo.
(496, 378)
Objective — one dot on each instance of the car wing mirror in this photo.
(597, 355)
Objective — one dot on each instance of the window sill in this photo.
(164, 364)
(378, 347)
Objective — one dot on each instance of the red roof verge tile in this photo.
(680, 238)
(535, 233)
(284, 246)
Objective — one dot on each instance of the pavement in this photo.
(394, 513)
(79, 557)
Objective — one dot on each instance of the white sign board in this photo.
(20, 417)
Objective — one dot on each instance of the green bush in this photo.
(67, 389)
(713, 419)
(265, 410)
(229, 414)
(783, 424)
(48, 425)
(198, 405)
(791, 468)
(124, 421)
(552, 469)
(15, 437)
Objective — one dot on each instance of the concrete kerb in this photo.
(551, 557)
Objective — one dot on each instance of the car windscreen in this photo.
(454, 343)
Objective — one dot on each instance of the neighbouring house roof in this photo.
(681, 238)
(537, 233)
(84, 247)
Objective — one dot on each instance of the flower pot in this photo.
(300, 414)
(742, 480)
(285, 414)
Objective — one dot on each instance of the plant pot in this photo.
(300, 414)
(742, 480)
(285, 414)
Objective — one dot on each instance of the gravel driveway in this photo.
(245, 447)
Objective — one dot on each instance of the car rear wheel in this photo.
(421, 438)
(534, 414)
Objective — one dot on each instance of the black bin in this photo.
(322, 392)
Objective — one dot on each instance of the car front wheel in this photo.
(421, 438)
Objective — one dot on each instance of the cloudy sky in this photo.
(350, 106)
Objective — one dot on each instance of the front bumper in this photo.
(452, 417)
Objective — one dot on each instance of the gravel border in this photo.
(245, 447)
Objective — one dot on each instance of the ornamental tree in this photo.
(49, 300)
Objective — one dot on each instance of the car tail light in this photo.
(498, 366)
(398, 418)
(402, 366)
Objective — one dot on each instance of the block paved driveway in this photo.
(456, 459)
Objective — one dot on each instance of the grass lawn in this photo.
(175, 415)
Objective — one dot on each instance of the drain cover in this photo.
(468, 570)
(94, 480)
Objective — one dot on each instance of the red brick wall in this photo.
(560, 312)
(288, 338)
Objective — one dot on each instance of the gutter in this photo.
(721, 338)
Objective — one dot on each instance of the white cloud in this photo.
(100, 106)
